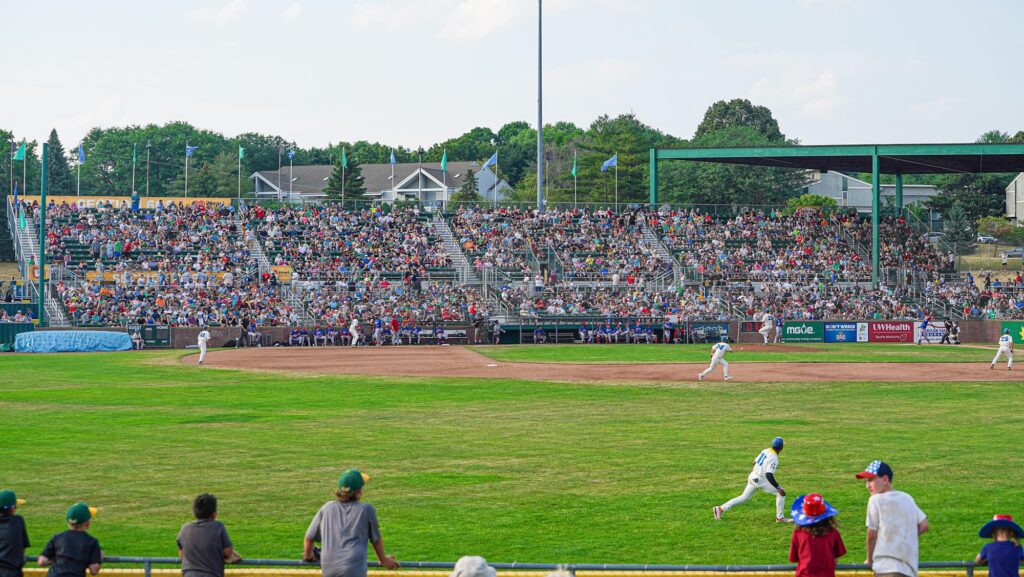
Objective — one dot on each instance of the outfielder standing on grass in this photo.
(718, 358)
(1005, 348)
(204, 335)
(762, 477)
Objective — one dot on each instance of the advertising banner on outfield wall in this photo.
(841, 332)
(802, 331)
(1016, 330)
(707, 332)
(891, 332)
(932, 334)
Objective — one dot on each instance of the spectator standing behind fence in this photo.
(894, 524)
(70, 553)
(1004, 554)
(13, 535)
(203, 545)
(344, 527)
(816, 544)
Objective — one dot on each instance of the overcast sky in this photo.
(414, 72)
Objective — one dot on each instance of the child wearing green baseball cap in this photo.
(13, 535)
(71, 552)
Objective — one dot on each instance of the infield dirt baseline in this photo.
(425, 361)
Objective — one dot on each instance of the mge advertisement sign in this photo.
(802, 331)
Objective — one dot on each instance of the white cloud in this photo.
(474, 19)
(222, 16)
(937, 109)
(293, 11)
(827, 4)
(392, 16)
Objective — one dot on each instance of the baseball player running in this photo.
(353, 328)
(1005, 348)
(767, 326)
(718, 358)
(204, 335)
(762, 477)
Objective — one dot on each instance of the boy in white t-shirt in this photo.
(894, 524)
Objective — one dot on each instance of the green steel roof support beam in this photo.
(42, 238)
(654, 177)
(875, 249)
(899, 193)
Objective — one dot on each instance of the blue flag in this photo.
(613, 161)
(291, 153)
(491, 161)
(81, 154)
(393, 161)
(189, 150)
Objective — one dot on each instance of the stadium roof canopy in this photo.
(877, 159)
(893, 158)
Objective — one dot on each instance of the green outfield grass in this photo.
(805, 353)
(513, 470)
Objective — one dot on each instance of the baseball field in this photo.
(529, 454)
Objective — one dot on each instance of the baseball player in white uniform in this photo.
(204, 335)
(353, 328)
(767, 326)
(1005, 348)
(718, 358)
(762, 477)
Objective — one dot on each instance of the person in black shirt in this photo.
(70, 553)
(13, 536)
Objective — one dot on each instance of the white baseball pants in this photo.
(715, 363)
(1009, 357)
(766, 333)
(751, 488)
(202, 352)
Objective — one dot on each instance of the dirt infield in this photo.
(428, 361)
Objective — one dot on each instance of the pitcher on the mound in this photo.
(1005, 348)
(718, 358)
(762, 477)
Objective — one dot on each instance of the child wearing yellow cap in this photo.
(71, 552)
(13, 535)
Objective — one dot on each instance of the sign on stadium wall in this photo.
(802, 331)
(891, 332)
(144, 202)
(933, 333)
(841, 332)
(707, 332)
(1016, 330)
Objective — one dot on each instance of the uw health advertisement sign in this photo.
(802, 331)
(891, 332)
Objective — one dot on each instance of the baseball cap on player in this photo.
(1000, 522)
(810, 509)
(777, 443)
(80, 513)
(1006, 331)
(725, 339)
(352, 480)
(8, 500)
(876, 469)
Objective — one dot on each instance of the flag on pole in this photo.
(393, 161)
(613, 161)
(444, 161)
(491, 161)
(15, 194)
(573, 171)
(20, 154)
(189, 150)
(22, 223)
(344, 159)
(291, 153)
(81, 154)
(241, 153)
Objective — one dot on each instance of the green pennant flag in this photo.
(135, 148)
(573, 171)
(241, 153)
(344, 159)
(21, 217)
(444, 161)
(20, 155)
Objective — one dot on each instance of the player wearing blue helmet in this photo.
(762, 477)
(718, 358)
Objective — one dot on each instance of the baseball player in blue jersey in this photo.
(762, 477)
(1005, 348)
(718, 358)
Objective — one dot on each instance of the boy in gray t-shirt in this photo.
(203, 545)
(344, 527)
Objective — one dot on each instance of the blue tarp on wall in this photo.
(71, 342)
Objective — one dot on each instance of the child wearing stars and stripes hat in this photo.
(816, 543)
(1003, 554)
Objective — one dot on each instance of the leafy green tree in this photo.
(58, 173)
(823, 203)
(7, 149)
(740, 112)
(469, 192)
(27, 172)
(476, 144)
(957, 227)
(352, 177)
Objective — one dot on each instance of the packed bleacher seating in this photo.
(337, 303)
(821, 301)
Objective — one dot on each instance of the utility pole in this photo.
(540, 117)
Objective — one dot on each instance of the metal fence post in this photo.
(148, 568)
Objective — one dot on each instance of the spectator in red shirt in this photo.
(816, 543)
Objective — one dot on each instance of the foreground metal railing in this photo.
(570, 568)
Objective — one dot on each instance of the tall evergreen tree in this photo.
(470, 191)
(58, 173)
(353, 178)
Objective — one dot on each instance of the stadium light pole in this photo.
(42, 237)
(540, 117)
